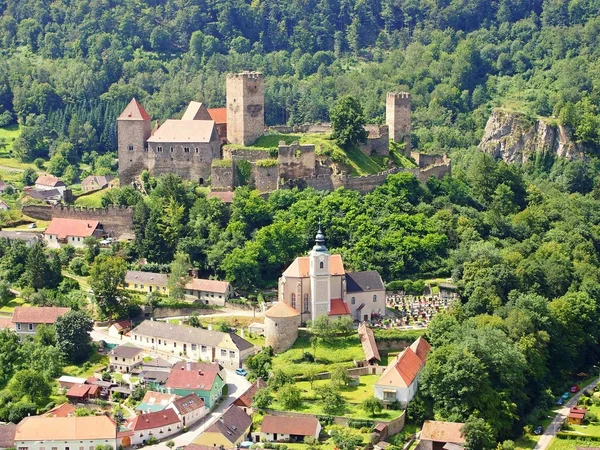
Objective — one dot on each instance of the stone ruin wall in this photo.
(378, 141)
(246, 154)
(296, 161)
(222, 178)
(266, 179)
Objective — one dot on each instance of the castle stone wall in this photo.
(425, 160)
(296, 161)
(266, 179)
(246, 154)
(281, 332)
(245, 107)
(378, 141)
(222, 178)
(438, 171)
(132, 133)
(115, 220)
(397, 117)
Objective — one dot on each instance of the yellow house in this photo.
(147, 282)
(228, 431)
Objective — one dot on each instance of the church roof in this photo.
(196, 111)
(184, 131)
(338, 307)
(366, 281)
(301, 265)
(134, 111)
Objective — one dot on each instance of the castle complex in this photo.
(192, 147)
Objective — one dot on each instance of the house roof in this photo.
(188, 404)
(126, 350)
(101, 180)
(49, 180)
(200, 284)
(338, 307)
(72, 227)
(38, 314)
(4, 186)
(438, 431)
(7, 435)
(5, 322)
(301, 265)
(402, 371)
(299, 426)
(201, 447)
(219, 115)
(22, 235)
(232, 424)
(158, 362)
(281, 309)
(122, 324)
(155, 401)
(421, 347)
(134, 111)
(367, 340)
(201, 377)
(40, 428)
(224, 196)
(196, 111)
(155, 376)
(248, 396)
(184, 333)
(138, 276)
(79, 390)
(577, 413)
(181, 131)
(38, 194)
(366, 281)
(153, 420)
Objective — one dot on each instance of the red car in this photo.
(574, 389)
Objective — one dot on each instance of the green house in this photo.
(202, 379)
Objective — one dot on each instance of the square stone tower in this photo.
(397, 117)
(133, 127)
(245, 107)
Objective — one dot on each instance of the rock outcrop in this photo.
(514, 138)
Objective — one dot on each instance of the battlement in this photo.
(246, 74)
(399, 95)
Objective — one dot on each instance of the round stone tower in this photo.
(281, 327)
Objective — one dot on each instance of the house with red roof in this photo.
(288, 429)
(160, 424)
(245, 400)
(190, 409)
(50, 182)
(203, 379)
(400, 380)
(26, 320)
(79, 393)
(439, 435)
(576, 415)
(71, 231)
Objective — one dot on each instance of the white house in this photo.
(26, 320)
(71, 231)
(160, 424)
(65, 433)
(190, 409)
(48, 182)
(288, 429)
(125, 357)
(400, 380)
(209, 292)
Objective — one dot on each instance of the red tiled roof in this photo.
(134, 111)
(153, 420)
(299, 426)
(338, 307)
(402, 371)
(367, 340)
(5, 322)
(79, 390)
(438, 431)
(64, 410)
(421, 347)
(247, 397)
(200, 284)
(281, 309)
(219, 115)
(577, 413)
(122, 324)
(49, 180)
(72, 227)
(41, 314)
(201, 377)
(189, 403)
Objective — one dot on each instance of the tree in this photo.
(289, 397)
(331, 400)
(37, 269)
(344, 439)
(279, 379)
(9, 346)
(262, 399)
(31, 385)
(170, 444)
(92, 248)
(5, 293)
(340, 376)
(478, 434)
(179, 275)
(107, 276)
(372, 405)
(28, 177)
(73, 335)
(348, 122)
(311, 374)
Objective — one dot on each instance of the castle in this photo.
(192, 147)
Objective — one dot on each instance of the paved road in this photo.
(559, 419)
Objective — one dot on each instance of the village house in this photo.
(49, 196)
(576, 415)
(124, 358)
(317, 285)
(437, 435)
(219, 115)
(49, 182)
(203, 379)
(97, 182)
(118, 329)
(399, 381)
(228, 431)
(148, 282)
(160, 425)
(81, 393)
(6, 188)
(64, 410)
(367, 340)
(227, 349)
(287, 429)
(65, 433)
(67, 381)
(26, 320)
(105, 386)
(28, 237)
(155, 401)
(71, 231)
(189, 408)
(245, 400)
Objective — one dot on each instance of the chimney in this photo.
(188, 365)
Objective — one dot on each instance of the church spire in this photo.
(320, 240)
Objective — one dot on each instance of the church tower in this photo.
(320, 278)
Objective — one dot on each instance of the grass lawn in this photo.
(87, 369)
(353, 394)
(92, 200)
(570, 444)
(338, 352)
(10, 306)
(9, 134)
(13, 163)
(83, 281)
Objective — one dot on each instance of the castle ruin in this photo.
(245, 107)
(397, 118)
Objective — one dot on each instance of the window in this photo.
(30, 326)
(135, 337)
(165, 342)
(174, 344)
(159, 342)
(223, 352)
(141, 286)
(293, 300)
(374, 299)
(19, 327)
(171, 149)
(197, 150)
(231, 354)
(353, 300)
(305, 302)
(204, 348)
(152, 340)
(194, 346)
(159, 149)
(186, 149)
(25, 448)
(321, 265)
(130, 147)
(92, 447)
(164, 289)
(135, 285)
(123, 359)
(145, 148)
(81, 447)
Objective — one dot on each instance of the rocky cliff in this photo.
(515, 138)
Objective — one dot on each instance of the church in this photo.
(317, 285)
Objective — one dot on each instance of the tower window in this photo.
(172, 148)
(374, 299)
(197, 150)
(305, 302)
(159, 149)
(186, 149)
(130, 148)
(321, 265)
(294, 301)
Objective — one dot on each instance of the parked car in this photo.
(538, 430)
(560, 401)
(574, 389)
(32, 225)
(566, 395)
(242, 372)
